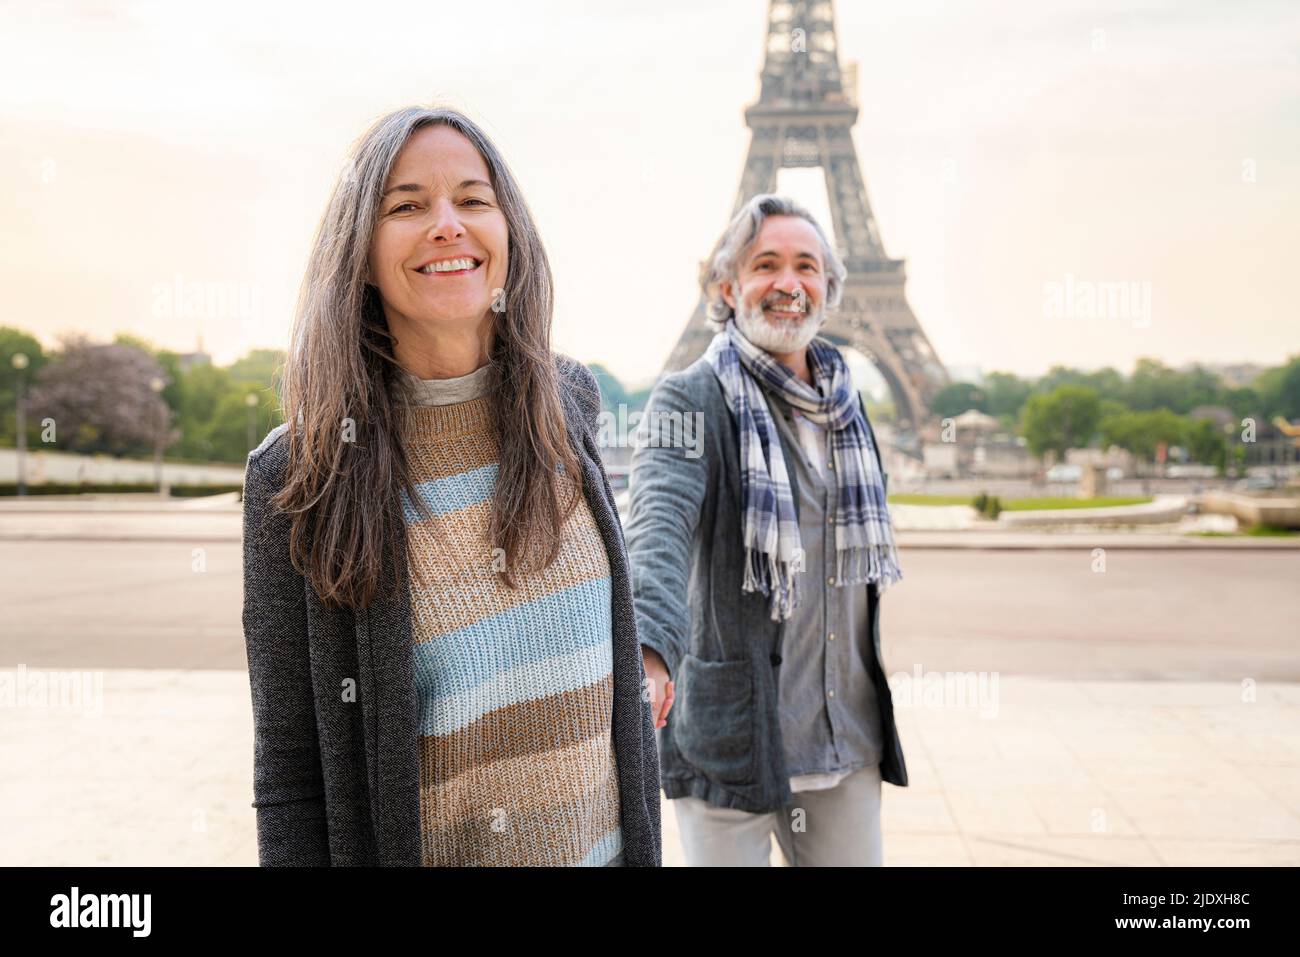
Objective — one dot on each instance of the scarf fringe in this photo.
(878, 563)
(777, 579)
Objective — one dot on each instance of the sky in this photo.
(167, 163)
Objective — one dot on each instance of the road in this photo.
(1177, 615)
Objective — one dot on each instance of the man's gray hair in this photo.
(724, 262)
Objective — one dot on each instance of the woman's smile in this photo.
(454, 266)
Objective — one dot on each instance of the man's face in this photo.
(780, 291)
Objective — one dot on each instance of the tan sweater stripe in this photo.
(429, 462)
(551, 829)
(524, 728)
(529, 781)
(464, 586)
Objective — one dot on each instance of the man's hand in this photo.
(661, 689)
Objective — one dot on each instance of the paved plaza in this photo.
(1147, 713)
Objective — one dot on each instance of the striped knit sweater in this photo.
(515, 687)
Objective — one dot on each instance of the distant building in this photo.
(1217, 414)
(189, 360)
(978, 446)
(1109, 458)
(1272, 446)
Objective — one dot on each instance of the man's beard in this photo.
(778, 336)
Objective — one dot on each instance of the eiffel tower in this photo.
(803, 118)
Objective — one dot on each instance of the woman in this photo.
(437, 609)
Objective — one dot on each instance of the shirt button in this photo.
(830, 694)
(831, 580)
(831, 466)
(831, 636)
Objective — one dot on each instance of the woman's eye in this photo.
(473, 200)
(399, 208)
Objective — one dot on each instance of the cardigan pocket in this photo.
(714, 727)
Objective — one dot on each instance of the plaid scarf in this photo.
(864, 539)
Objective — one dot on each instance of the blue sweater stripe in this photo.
(567, 647)
(446, 713)
(452, 492)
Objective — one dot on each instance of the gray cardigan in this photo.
(722, 742)
(335, 776)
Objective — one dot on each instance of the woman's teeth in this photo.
(449, 265)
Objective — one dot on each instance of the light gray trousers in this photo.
(836, 827)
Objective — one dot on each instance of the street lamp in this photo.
(157, 385)
(19, 361)
(250, 400)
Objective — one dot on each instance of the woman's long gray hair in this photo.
(723, 264)
(347, 468)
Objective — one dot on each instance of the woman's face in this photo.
(439, 210)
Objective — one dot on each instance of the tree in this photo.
(1206, 444)
(224, 438)
(1279, 389)
(613, 392)
(1287, 402)
(1105, 382)
(956, 398)
(1142, 432)
(214, 407)
(203, 392)
(1243, 402)
(101, 400)
(262, 367)
(1006, 394)
(1153, 385)
(1065, 418)
(1109, 407)
(13, 341)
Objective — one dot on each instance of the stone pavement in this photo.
(154, 767)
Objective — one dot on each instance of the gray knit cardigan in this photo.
(335, 774)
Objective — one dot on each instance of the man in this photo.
(758, 552)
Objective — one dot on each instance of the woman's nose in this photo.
(446, 224)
